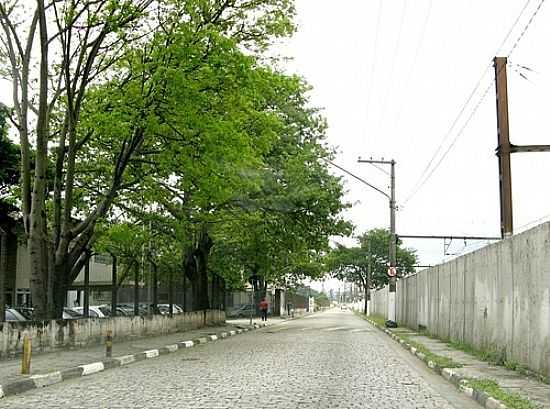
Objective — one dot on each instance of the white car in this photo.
(94, 311)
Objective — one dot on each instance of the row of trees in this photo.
(163, 126)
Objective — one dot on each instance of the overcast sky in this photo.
(392, 77)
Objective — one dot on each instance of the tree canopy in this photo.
(165, 115)
(352, 263)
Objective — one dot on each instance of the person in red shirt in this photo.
(264, 306)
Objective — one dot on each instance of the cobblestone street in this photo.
(327, 360)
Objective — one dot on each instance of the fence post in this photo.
(109, 344)
(27, 353)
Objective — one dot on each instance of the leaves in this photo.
(352, 263)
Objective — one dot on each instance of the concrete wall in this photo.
(51, 335)
(496, 299)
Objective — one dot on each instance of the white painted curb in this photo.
(152, 353)
(171, 348)
(90, 369)
(52, 378)
(126, 359)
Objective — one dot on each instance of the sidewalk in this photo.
(48, 363)
(474, 376)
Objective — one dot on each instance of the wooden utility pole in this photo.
(505, 148)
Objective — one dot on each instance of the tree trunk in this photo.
(136, 289)
(3, 272)
(155, 288)
(39, 274)
(114, 287)
(196, 269)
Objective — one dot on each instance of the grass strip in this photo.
(441, 361)
(491, 388)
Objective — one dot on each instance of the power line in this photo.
(397, 47)
(513, 26)
(356, 177)
(427, 173)
(371, 82)
(452, 144)
(520, 37)
(411, 71)
(446, 137)
(384, 171)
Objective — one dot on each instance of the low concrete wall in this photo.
(51, 335)
(494, 299)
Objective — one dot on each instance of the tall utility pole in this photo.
(505, 148)
(393, 240)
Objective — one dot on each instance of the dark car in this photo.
(242, 312)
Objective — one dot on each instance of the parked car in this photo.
(243, 311)
(12, 314)
(25, 312)
(164, 309)
(94, 311)
(71, 314)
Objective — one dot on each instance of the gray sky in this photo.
(392, 76)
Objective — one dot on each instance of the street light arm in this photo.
(358, 178)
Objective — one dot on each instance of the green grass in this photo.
(378, 319)
(441, 361)
(511, 400)
(498, 357)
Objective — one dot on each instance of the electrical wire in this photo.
(533, 222)
(452, 144)
(385, 172)
(356, 177)
(427, 173)
(371, 80)
(396, 49)
(411, 71)
(522, 34)
(513, 27)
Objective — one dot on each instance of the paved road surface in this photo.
(327, 360)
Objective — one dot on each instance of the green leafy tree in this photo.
(9, 157)
(353, 264)
(116, 56)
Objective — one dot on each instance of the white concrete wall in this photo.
(51, 335)
(497, 298)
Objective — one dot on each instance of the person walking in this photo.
(264, 306)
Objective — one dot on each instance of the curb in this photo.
(448, 374)
(52, 378)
